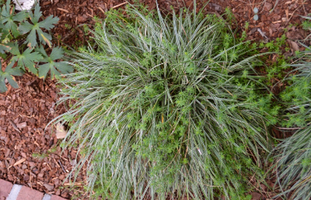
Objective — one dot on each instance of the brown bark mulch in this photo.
(274, 16)
(30, 155)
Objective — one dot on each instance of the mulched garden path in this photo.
(30, 155)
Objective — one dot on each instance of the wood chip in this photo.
(101, 10)
(121, 4)
(19, 162)
(23, 155)
(277, 22)
(48, 186)
(14, 126)
(64, 10)
(21, 125)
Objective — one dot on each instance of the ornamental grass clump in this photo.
(293, 155)
(166, 107)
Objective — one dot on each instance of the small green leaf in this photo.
(12, 81)
(25, 27)
(15, 49)
(37, 14)
(64, 67)
(42, 51)
(54, 67)
(2, 85)
(54, 72)
(31, 39)
(28, 59)
(13, 71)
(44, 38)
(8, 74)
(21, 16)
(44, 69)
(56, 53)
(9, 19)
(49, 22)
(4, 48)
(35, 28)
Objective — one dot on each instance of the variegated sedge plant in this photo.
(293, 155)
(166, 107)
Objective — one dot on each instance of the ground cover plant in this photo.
(23, 42)
(292, 156)
(166, 107)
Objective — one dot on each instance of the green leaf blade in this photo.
(49, 22)
(63, 67)
(44, 69)
(31, 39)
(56, 53)
(3, 87)
(37, 14)
(12, 82)
(21, 16)
(25, 27)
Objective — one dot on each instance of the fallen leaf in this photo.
(23, 155)
(256, 196)
(60, 131)
(293, 45)
(19, 162)
(32, 164)
(82, 19)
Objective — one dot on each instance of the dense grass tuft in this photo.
(293, 155)
(166, 106)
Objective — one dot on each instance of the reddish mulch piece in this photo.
(26, 111)
(29, 154)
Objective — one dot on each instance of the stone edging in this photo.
(8, 191)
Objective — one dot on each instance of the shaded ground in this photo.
(30, 156)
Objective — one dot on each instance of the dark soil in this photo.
(30, 155)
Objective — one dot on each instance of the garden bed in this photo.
(30, 155)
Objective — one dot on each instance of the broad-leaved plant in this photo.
(23, 41)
